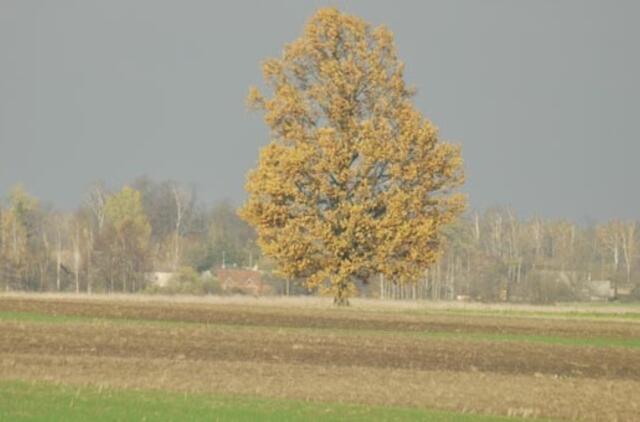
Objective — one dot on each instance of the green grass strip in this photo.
(564, 315)
(23, 401)
(529, 338)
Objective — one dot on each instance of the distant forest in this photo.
(114, 240)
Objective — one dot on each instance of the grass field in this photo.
(136, 358)
(66, 403)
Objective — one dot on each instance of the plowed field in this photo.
(535, 366)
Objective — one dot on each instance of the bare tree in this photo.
(628, 241)
(609, 236)
(60, 223)
(182, 198)
(76, 256)
(96, 201)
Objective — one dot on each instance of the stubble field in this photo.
(135, 358)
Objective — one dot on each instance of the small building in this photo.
(159, 278)
(599, 290)
(243, 281)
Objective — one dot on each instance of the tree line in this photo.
(113, 239)
(496, 256)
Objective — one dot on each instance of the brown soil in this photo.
(322, 318)
(262, 345)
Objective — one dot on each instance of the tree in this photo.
(169, 206)
(619, 238)
(43, 253)
(628, 238)
(17, 232)
(609, 237)
(130, 230)
(183, 199)
(231, 241)
(355, 180)
(96, 201)
(158, 203)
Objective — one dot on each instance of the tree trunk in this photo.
(341, 297)
(89, 250)
(341, 300)
(76, 260)
(58, 264)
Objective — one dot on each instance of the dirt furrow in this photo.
(260, 345)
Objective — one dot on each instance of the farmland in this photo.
(299, 359)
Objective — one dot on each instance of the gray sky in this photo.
(544, 96)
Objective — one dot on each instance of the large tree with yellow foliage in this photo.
(355, 181)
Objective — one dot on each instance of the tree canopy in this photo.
(355, 181)
(128, 224)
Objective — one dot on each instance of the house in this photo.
(243, 281)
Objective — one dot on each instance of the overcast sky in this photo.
(544, 96)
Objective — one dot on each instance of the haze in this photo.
(543, 96)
